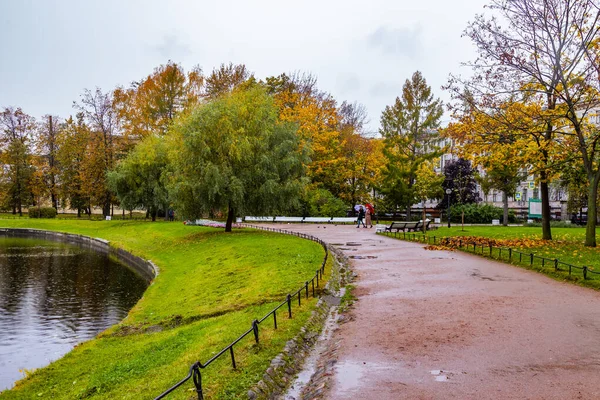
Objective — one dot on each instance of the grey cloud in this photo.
(348, 84)
(396, 42)
(385, 89)
(172, 48)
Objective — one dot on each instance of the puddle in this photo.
(350, 373)
(362, 257)
(439, 375)
(310, 364)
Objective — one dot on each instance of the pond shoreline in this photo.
(145, 268)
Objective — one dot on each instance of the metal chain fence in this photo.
(311, 286)
(499, 253)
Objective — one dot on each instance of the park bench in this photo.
(419, 226)
(258, 219)
(288, 219)
(343, 220)
(320, 220)
(397, 226)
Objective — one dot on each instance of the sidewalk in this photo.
(449, 325)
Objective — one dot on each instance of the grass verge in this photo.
(211, 286)
(566, 246)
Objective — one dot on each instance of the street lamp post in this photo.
(448, 191)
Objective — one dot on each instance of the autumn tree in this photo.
(542, 50)
(105, 141)
(500, 143)
(16, 133)
(409, 129)
(72, 155)
(46, 144)
(359, 173)
(233, 155)
(428, 185)
(150, 105)
(299, 101)
(225, 79)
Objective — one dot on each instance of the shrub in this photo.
(322, 203)
(479, 213)
(42, 212)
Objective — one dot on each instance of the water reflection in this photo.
(53, 296)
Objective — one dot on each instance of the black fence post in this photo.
(307, 289)
(289, 301)
(585, 269)
(531, 259)
(543, 262)
(232, 356)
(569, 269)
(556, 264)
(197, 376)
(299, 297)
(275, 318)
(509, 254)
(313, 286)
(317, 278)
(255, 329)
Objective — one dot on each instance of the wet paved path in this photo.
(448, 325)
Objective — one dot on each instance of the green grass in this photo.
(210, 287)
(566, 246)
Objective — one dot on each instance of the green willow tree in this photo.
(409, 129)
(233, 155)
(137, 180)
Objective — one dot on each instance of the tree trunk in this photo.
(590, 228)
(408, 215)
(153, 214)
(230, 216)
(505, 211)
(424, 227)
(106, 206)
(546, 232)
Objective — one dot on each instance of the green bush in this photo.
(556, 224)
(42, 212)
(479, 213)
(322, 203)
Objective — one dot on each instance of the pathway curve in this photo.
(449, 325)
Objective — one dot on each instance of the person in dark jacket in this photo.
(361, 216)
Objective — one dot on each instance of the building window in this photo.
(494, 197)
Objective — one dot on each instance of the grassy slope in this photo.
(211, 286)
(567, 246)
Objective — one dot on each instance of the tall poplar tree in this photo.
(409, 129)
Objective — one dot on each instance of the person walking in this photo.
(361, 216)
(368, 216)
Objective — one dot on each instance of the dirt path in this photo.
(441, 325)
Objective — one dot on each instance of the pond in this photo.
(54, 295)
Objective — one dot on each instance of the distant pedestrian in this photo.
(368, 217)
(171, 215)
(361, 216)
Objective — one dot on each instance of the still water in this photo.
(54, 295)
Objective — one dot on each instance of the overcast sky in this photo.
(359, 50)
